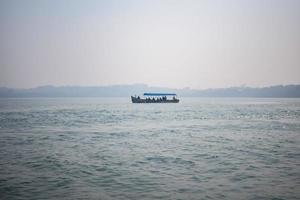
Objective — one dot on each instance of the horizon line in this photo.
(151, 86)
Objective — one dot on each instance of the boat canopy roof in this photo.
(159, 94)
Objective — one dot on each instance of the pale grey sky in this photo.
(197, 44)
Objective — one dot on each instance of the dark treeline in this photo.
(288, 91)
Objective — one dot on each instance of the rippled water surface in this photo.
(101, 148)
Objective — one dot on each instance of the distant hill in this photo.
(289, 91)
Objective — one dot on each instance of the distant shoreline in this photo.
(87, 97)
(278, 91)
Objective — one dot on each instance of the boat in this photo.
(155, 98)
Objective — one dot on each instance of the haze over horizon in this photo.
(148, 86)
(175, 44)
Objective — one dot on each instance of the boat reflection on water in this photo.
(155, 98)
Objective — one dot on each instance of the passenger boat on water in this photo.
(155, 98)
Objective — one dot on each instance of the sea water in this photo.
(109, 148)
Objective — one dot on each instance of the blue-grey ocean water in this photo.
(109, 148)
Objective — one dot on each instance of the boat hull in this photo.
(139, 100)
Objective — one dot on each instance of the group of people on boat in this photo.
(158, 99)
(155, 100)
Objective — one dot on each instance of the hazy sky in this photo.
(197, 44)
